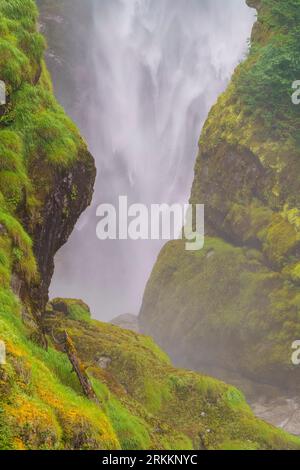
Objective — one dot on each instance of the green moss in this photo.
(265, 80)
(44, 407)
(44, 404)
(281, 238)
(5, 433)
(25, 262)
(23, 11)
(235, 398)
(133, 433)
(151, 404)
(37, 139)
(14, 65)
(46, 131)
(293, 273)
(224, 304)
(74, 309)
(74, 193)
(45, 78)
(11, 151)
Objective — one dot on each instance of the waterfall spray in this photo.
(149, 73)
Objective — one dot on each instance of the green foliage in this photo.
(133, 433)
(33, 44)
(14, 65)
(46, 131)
(12, 186)
(265, 81)
(21, 46)
(42, 400)
(24, 262)
(268, 83)
(59, 365)
(20, 10)
(281, 15)
(72, 308)
(78, 312)
(11, 150)
(224, 299)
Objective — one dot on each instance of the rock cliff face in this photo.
(69, 192)
(47, 173)
(234, 306)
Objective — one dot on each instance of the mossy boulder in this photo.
(235, 305)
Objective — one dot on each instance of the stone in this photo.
(104, 362)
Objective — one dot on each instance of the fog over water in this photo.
(148, 72)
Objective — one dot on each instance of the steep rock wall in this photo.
(234, 306)
(47, 173)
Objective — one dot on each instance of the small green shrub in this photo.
(265, 80)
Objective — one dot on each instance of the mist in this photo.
(139, 78)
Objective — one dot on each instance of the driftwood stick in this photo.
(78, 367)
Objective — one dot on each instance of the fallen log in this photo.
(78, 367)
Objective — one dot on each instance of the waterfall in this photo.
(143, 76)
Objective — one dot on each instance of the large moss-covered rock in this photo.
(46, 171)
(235, 305)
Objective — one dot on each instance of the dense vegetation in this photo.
(33, 129)
(265, 83)
(37, 141)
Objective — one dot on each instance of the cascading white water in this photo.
(152, 70)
